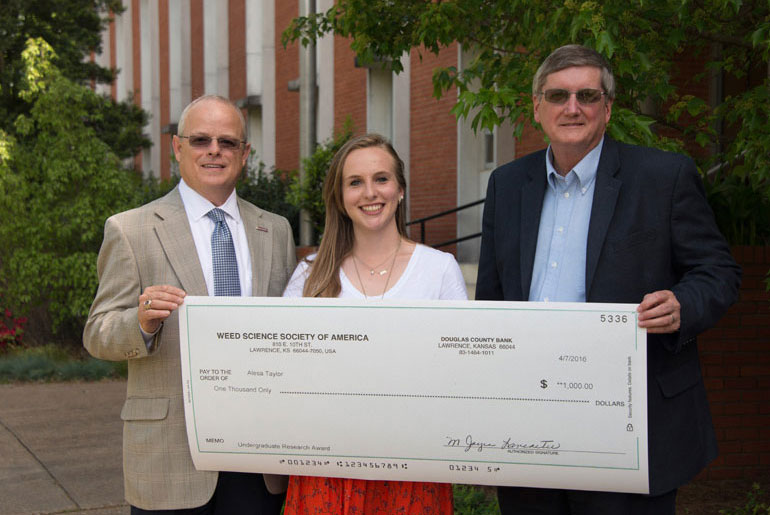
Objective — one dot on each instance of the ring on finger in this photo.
(147, 304)
(673, 319)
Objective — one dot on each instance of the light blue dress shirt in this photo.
(559, 273)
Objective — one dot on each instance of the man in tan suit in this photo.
(150, 259)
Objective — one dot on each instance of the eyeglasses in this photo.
(205, 141)
(584, 96)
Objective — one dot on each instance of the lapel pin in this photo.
(261, 228)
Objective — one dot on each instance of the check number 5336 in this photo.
(613, 319)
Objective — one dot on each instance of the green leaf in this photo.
(702, 139)
(605, 44)
(696, 106)
(759, 36)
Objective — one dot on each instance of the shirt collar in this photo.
(197, 206)
(585, 170)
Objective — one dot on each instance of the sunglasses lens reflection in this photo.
(589, 96)
(557, 96)
(228, 144)
(205, 141)
(200, 141)
(584, 96)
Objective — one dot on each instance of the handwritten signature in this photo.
(509, 444)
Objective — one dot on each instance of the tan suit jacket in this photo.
(153, 245)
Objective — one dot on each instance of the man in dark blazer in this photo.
(151, 258)
(593, 220)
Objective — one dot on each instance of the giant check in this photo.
(496, 393)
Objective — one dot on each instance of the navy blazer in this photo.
(650, 229)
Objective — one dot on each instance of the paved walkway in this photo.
(60, 448)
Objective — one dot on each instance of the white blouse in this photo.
(430, 274)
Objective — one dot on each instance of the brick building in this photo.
(172, 51)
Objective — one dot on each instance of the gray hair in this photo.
(568, 56)
(217, 98)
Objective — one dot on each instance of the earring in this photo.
(400, 199)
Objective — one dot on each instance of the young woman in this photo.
(365, 254)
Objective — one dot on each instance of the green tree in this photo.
(73, 29)
(643, 40)
(58, 183)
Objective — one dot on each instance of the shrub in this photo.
(755, 504)
(269, 190)
(741, 207)
(11, 330)
(307, 193)
(53, 363)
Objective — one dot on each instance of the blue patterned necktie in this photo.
(226, 280)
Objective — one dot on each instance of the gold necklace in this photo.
(372, 269)
(387, 280)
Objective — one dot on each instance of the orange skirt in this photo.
(324, 495)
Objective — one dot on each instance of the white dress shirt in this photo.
(559, 271)
(202, 226)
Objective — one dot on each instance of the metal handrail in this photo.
(422, 221)
(714, 169)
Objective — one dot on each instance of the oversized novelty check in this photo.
(497, 393)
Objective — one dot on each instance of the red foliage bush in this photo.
(11, 330)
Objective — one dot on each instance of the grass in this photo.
(54, 363)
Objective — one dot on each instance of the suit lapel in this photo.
(259, 234)
(531, 207)
(603, 208)
(173, 231)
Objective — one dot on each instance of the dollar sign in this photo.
(543, 383)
